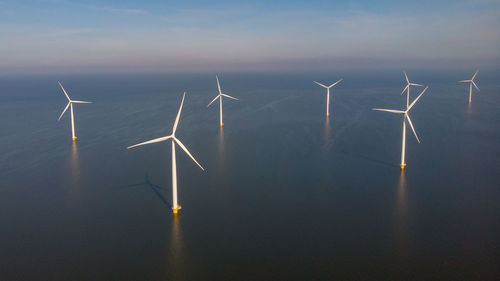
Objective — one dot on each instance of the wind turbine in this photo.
(175, 206)
(406, 117)
(407, 89)
(70, 104)
(471, 81)
(328, 95)
(220, 95)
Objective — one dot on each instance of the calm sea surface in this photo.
(287, 194)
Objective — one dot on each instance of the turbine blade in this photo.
(66, 108)
(412, 128)
(228, 96)
(320, 84)
(151, 141)
(389, 110)
(213, 100)
(473, 83)
(465, 81)
(336, 83)
(406, 76)
(178, 115)
(407, 85)
(79, 101)
(187, 152)
(218, 85)
(415, 84)
(474, 76)
(415, 101)
(64, 91)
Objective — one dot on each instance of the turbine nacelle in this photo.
(471, 80)
(220, 95)
(69, 101)
(172, 136)
(408, 83)
(405, 113)
(328, 87)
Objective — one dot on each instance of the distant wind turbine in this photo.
(328, 95)
(175, 207)
(406, 117)
(471, 81)
(219, 96)
(407, 89)
(70, 105)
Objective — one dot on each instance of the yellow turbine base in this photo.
(74, 139)
(402, 167)
(328, 115)
(176, 210)
(221, 125)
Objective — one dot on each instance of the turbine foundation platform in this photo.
(402, 167)
(74, 139)
(176, 211)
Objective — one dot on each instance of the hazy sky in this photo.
(86, 36)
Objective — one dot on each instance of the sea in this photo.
(287, 193)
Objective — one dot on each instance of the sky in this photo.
(178, 36)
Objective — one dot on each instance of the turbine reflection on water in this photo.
(328, 141)
(74, 173)
(221, 148)
(401, 219)
(221, 159)
(176, 252)
(75, 165)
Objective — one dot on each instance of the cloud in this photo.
(63, 32)
(199, 39)
(484, 1)
(104, 8)
(124, 11)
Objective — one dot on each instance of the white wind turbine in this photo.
(219, 96)
(70, 104)
(407, 89)
(328, 95)
(175, 206)
(471, 81)
(406, 117)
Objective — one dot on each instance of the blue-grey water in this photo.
(287, 194)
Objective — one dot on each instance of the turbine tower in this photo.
(471, 81)
(407, 89)
(328, 95)
(406, 117)
(70, 105)
(219, 96)
(175, 206)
